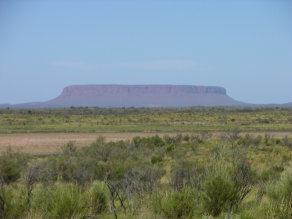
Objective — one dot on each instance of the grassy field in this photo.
(46, 130)
(145, 120)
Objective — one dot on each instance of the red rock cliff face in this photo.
(142, 96)
(139, 89)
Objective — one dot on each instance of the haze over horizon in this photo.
(243, 46)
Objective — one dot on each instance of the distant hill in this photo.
(140, 96)
(287, 104)
(277, 105)
(5, 105)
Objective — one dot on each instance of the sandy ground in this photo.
(52, 142)
(43, 143)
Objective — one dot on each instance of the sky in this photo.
(244, 46)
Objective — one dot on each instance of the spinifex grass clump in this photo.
(175, 204)
(63, 200)
(280, 194)
(99, 198)
(12, 201)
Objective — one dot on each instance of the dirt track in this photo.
(42, 143)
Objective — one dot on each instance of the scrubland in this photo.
(191, 119)
(230, 173)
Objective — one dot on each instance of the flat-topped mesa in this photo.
(142, 96)
(140, 89)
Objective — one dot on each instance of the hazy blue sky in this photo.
(245, 46)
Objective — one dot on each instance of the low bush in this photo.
(69, 148)
(156, 159)
(13, 202)
(151, 142)
(65, 200)
(11, 165)
(175, 204)
(219, 195)
(248, 140)
(227, 182)
(175, 139)
(279, 194)
(271, 173)
(99, 198)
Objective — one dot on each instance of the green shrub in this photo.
(66, 167)
(186, 137)
(169, 148)
(43, 200)
(99, 197)
(151, 142)
(194, 146)
(175, 204)
(155, 141)
(156, 159)
(186, 173)
(175, 139)
(280, 196)
(227, 181)
(69, 148)
(94, 169)
(196, 139)
(11, 165)
(137, 141)
(117, 171)
(268, 140)
(13, 199)
(63, 201)
(10, 169)
(219, 194)
(271, 173)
